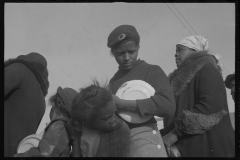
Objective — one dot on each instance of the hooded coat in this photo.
(25, 87)
(199, 88)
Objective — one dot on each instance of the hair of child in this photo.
(89, 100)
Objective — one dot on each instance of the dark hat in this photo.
(67, 95)
(122, 34)
(228, 80)
(33, 56)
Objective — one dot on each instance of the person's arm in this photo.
(122, 104)
(161, 104)
(53, 143)
(13, 77)
(210, 91)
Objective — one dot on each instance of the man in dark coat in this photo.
(25, 87)
(201, 125)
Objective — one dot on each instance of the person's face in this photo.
(233, 89)
(182, 52)
(106, 120)
(126, 55)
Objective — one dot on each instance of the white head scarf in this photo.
(199, 43)
(195, 42)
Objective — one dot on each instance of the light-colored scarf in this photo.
(195, 42)
(199, 43)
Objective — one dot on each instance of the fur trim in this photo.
(40, 72)
(180, 77)
(197, 123)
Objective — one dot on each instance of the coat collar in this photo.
(40, 72)
(181, 76)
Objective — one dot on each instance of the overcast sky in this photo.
(73, 36)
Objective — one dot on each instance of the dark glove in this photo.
(169, 140)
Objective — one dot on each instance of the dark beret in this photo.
(121, 35)
(67, 95)
(229, 78)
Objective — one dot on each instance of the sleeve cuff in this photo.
(197, 123)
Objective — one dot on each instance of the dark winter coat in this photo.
(25, 88)
(198, 87)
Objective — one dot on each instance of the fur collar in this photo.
(40, 72)
(180, 77)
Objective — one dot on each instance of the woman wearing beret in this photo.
(146, 140)
(55, 140)
(201, 124)
(25, 87)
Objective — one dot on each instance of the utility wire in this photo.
(192, 29)
(179, 20)
(184, 19)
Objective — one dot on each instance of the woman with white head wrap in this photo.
(200, 126)
(195, 43)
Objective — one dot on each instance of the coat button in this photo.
(159, 146)
(154, 132)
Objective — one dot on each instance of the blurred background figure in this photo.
(230, 84)
(25, 87)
